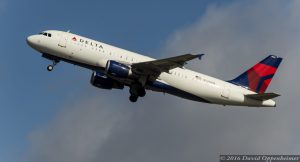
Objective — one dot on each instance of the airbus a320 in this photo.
(115, 68)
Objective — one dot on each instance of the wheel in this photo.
(133, 98)
(142, 92)
(137, 90)
(50, 68)
(134, 90)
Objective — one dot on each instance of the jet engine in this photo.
(102, 81)
(117, 69)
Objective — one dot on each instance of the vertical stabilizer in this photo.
(258, 77)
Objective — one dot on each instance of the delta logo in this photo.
(87, 42)
(74, 39)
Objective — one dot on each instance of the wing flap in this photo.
(262, 96)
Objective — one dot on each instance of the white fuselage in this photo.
(90, 53)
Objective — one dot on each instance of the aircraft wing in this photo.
(163, 65)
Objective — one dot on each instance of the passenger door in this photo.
(63, 41)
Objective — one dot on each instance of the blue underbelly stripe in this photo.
(175, 91)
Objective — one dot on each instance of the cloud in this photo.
(166, 128)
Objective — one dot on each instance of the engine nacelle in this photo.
(102, 81)
(117, 69)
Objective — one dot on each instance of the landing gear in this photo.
(136, 91)
(133, 98)
(142, 92)
(51, 67)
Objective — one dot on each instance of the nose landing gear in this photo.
(51, 67)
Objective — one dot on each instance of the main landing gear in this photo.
(136, 91)
(51, 67)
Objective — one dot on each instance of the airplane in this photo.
(115, 68)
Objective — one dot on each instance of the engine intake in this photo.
(117, 69)
(100, 80)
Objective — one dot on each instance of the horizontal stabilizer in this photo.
(200, 56)
(262, 96)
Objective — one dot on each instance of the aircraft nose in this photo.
(30, 40)
(33, 41)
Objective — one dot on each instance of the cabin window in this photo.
(49, 35)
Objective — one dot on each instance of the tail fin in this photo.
(260, 75)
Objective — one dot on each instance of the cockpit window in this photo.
(46, 34)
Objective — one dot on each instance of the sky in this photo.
(59, 116)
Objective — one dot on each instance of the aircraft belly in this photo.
(161, 86)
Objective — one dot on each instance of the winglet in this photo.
(200, 56)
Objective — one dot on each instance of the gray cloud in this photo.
(166, 128)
